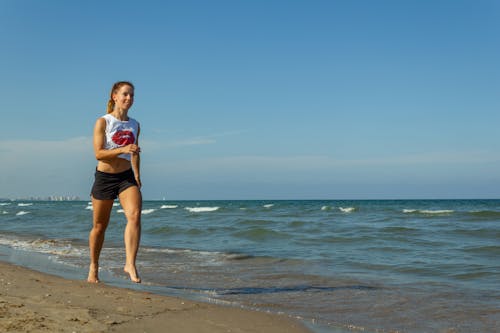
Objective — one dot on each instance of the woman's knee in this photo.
(134, 216)
(99, 227)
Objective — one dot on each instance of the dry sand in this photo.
(31, 301)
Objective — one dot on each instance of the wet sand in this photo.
(31, 301)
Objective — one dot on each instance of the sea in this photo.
(335, 265)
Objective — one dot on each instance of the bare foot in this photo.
(93, 274)
(132, 272)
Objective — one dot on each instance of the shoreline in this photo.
(31, 301)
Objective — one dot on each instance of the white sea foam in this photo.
(347, 209)
(22, 213)
(89, 207)
(326, 208)
(24, 204)
(442, 211)
(4, 212)
(201, 209)
(116, 204)
(4, 203)
(268, 205)
(166, 250)
(168, 206)
(144, 211)
(428, 211)
(47, 246)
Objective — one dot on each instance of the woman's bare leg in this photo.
(101, 214)
(131, 201)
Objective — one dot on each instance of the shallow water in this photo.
(376, 266)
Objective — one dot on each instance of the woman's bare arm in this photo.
(136, 161)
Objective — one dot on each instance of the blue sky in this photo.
(257, 99)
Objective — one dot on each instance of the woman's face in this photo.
(124, 97)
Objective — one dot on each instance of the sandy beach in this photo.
(31, 301)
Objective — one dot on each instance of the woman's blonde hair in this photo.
(116, 86)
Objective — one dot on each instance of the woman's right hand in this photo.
(131, 149)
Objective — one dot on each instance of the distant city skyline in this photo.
(46, 198)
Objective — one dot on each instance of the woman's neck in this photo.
(120, 114)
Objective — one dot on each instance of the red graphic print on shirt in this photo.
(123, 138)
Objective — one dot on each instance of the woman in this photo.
(116, 147)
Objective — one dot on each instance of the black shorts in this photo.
(107, 186)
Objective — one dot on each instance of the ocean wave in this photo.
(268, 206)
(195, 257)
(297, 224)
(343, 239)
(400, 230)
(57, 247)
(347, 209)
(327, 208)
(178, 251)
(4, 203)
(24, 204)
(428, 211)
(485, 250)
(168, 230)
(260, 234)
(201, 209)
(46, 246)
(206, 257)
(22, 213)
(485, 213)
(168, 206)
(121, 210)
(254, 222)
(439, 211)
(238, 256)
(144, 211)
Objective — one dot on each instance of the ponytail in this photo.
(116, 86)
(111, 105)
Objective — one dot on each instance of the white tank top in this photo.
(120, 133)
